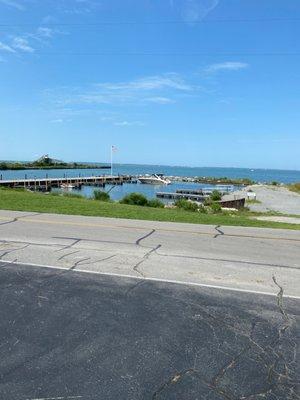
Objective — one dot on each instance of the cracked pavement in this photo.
(67, 334)
(136, 310)
(239, 258)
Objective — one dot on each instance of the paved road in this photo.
(72, 335)
(238, 258)
(146, 310)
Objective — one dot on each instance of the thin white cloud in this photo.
(45, 32)
(156, 82)
(6, 47)
(129, 123)
(226, 66)
(160, 100)
(57, 121)
(22, 44)
(14, 4)
(160, 89)
(27, 43)
(78, 7)
(193, 10)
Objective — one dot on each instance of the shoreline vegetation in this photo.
(16, 166)
(295, 187)
(45, 162)
(225, 181)
(70, 204)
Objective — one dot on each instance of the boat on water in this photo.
(154, 179)
(67, 186)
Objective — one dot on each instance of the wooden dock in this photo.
(178, 196)
(203, 191)
(46, 184)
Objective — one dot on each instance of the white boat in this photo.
(67, 186)
(155, 179)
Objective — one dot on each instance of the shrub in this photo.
(3, 166)
(215, 195)
(215, 208)
(136, 199)
(186, 205)
(155, 203)
(295, 187)
(208, 201)
(274, 183)
(101, 196)
(202, 209)
(73, 195)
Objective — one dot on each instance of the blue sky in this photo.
(177, 82)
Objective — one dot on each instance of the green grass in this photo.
(19, 200)
(253, 201)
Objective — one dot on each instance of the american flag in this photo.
(114, 148)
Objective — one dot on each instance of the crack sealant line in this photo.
(9, 222)
(280, 299)
(150, 279)
(16, 219)
(91, 225)
(63, 247)
(226, 260)
(220, 233)
(145, 258)
(144, 237)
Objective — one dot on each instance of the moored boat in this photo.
(154, 179)
(67, 186)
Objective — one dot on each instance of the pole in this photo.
(111, 160)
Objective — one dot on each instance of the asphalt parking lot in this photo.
(75, 335)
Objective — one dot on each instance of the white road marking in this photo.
(172, 281)
(58, 398)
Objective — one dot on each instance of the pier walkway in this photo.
(45, 184)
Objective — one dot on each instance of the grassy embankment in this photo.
(19, 200)
(295, 187)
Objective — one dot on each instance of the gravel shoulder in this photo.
(274, 198)
(288, 220)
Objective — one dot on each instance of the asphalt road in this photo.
(75, 335)
(233, 257)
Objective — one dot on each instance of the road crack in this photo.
(9, 251)
(145, 258)
(16, 219)
(138, 242)
(173, 381)
(220, 233)
(280, 299)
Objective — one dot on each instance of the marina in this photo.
(178, 174)
(120, 185)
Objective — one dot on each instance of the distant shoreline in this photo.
(95, 165)
(26, 168)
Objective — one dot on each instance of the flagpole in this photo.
(111, 160)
